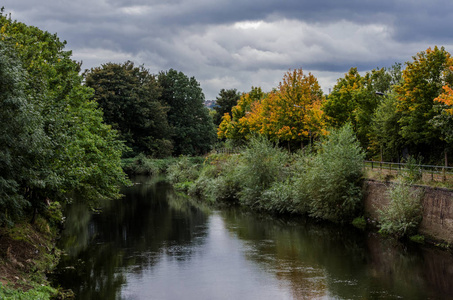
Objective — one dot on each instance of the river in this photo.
(156, 244)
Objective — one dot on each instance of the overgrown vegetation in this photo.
(143, 165)
(403, 215)
(324, 182)
(28, 253)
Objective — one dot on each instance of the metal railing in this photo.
(235, 150)
(427, 172)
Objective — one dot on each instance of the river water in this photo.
(156, 244)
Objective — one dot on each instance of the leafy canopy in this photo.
(129, 98)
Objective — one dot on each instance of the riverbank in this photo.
(326, 184)
(27, 255)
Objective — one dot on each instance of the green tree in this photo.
(355, 98)
(385, 137)
(422, 82)
(22, 139)
(226, 100)
(192, 126)
(77, 152)
(342, 101)
(129, 98)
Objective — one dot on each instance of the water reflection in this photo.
(155, 244)
(125, 237)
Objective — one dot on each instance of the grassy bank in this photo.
(27, 254)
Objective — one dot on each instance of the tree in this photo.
(22, 139)
(129, 98)
(355, 99)
(294, 110)
(192, 126)
(235, 126)
(443, 120)
(226, 100)
(74, 151)
(342, 101)
(384, 134)
(292, 113)
(422, 82)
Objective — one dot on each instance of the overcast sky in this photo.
(243, 43)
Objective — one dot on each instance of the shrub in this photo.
(280, 198)
(302, 163)
(334, 180)
(403, 215)
(143, 165)
(413, 173)
(184, 170)
(218, 180)
(261, 164)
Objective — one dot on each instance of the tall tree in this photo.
(22, 139)
(192, 126)
(385, 138)
(443, 120)
(355, 99)
(226, 100)
(291, 113)
(422, 82)
(342, 101)
(81, 154)
(129, 98)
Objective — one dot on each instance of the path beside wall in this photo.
(437, 208)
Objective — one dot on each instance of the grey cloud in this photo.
(199, 38)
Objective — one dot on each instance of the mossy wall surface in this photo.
(437, 220)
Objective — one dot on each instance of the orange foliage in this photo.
(446, 98)
(291, 112)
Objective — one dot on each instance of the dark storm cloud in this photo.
(237, 44)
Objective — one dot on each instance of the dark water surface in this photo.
(154, 244)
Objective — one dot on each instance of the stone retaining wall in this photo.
(437, 208)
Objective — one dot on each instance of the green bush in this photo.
(261, 164)
(302, 163)
(184, 170)
(334, 179)
(280, 198)
(37, 292)
(413, 172)
(218, 180)
(142, 165)
(326, 184)
(403, 215)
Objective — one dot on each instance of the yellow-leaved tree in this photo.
(235, 126)
(291, 113)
